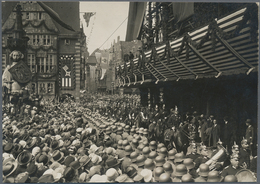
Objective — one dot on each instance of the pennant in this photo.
(87, 17)
(103, 73)
(55, 16)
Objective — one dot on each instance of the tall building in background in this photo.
(55, 55)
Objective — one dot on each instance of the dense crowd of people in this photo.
(114, 139)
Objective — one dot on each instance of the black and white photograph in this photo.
(122, 92)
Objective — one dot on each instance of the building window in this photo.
(3, 61)
(31, 62)
(33, 88)
(46, 40)
(36, 39)
(67, 42)
(27, 16)
(51, 66)
(3, 41)
(40, 15)
(50, 88)
(42, 65)
(47, 64)
(42, 89)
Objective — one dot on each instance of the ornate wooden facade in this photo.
(49, 46)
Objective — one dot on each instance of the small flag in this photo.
(87, 16)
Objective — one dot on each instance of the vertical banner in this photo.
(67, 73)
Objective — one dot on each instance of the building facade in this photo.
(55, 55)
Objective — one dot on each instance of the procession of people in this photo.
(111, 138)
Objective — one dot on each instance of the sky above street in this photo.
(108, 17)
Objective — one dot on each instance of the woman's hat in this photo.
(48, 178)
(32, 169)
(131, 171)
(96, 159)
(9, 167)
(56, 176)
(123, 179)
(112, 174)
(8, 147)
(57, 156)
(98, 179)
(84, 160)
(147, 174)
(54, 144)
(31, 143)
(22, 178)
(75, 165)
(24, 158)
(43, 158)
(112, 162)
(69, 173)
(55, 165)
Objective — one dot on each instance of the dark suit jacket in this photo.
(244, 157)
(250, 134)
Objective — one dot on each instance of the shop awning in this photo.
(234, 50)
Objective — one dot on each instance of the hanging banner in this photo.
(67, 74)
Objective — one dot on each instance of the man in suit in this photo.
(249, 135)
(244, 155)
(233, 168)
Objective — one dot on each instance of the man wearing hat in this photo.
(193, 152)
(126, 132)
(180, 170)
(188, 162)
(249, 135)
(244, 156)
(203, 158)
(203, 173)
(127, 160)
(233, 168)
(113, 162)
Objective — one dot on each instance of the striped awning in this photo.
(223, 55)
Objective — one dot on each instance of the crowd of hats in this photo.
(73, 144)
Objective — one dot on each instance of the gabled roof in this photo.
(68, 12)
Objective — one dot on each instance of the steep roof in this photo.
(68, 12)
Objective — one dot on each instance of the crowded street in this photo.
(105, 138)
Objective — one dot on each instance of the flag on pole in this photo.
(55, 16)
(87, 16)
